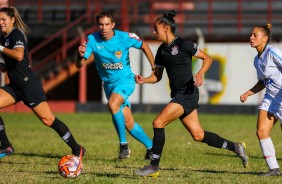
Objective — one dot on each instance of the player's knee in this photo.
(113, 107)
(198, 136)
(129, 125)
(48, 121)
(262, 134)
(158, 123)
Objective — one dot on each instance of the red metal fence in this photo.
(130, 11)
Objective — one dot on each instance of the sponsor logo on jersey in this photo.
(100, 47)
(112, 66)
(118, 54)
(174, 50)
(133, 35)
(19, 42)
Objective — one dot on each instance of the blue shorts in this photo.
(125, 88)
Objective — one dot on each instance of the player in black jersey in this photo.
(175, 55)
(24, 85)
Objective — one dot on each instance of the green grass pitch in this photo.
(38, 150)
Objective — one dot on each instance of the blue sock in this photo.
(138, 133)
(119, 122)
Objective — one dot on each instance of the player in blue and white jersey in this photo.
(268, 64)
(109, 49)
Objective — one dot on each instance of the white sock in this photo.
(155, 156)
(268, 152)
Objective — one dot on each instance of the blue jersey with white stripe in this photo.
(269, 71)
(112, 56)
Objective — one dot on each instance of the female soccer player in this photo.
(24, 85)
(175, 55)
(109, 49)
(268, 64)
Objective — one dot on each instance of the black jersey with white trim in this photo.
(19, 72)
(177, 60)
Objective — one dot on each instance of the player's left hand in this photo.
(198, 80)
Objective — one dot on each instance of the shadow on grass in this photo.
(227, 155)
(39, 155)
(222, 172)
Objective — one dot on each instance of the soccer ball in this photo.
(70, 166)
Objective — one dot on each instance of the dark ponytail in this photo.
(167, 19)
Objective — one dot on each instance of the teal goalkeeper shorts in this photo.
(125, 88)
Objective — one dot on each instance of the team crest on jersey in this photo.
(7, 41)
(174, 50)
(118, 54)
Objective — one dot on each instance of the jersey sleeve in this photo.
(89, 46)
(158, 61)
(133, 40)
(276, 55)
(18, 40)
(190, 47)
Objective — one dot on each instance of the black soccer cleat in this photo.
(240, 150)
(148, 171)
(272, 172)
(79, 152)
(124, 151)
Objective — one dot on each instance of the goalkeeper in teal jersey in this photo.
(109, 49)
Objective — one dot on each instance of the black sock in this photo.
(214, 140)
(3, 136)
(65, 134)
(158, 144)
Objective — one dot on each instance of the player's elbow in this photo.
(19, 57)
(158, 78)
(209, 59)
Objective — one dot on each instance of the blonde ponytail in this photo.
(19, 22)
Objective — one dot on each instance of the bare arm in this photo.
(80, 61)
(147, 51)
(207, 61)
(257, 88)
(16, 53)
(155, 77)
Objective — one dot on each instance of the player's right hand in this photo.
(244, 97)
(82, 48)
(138, 79)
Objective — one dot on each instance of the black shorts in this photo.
(189, 102)
(31, 93)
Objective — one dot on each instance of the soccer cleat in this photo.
(240, 150)
(148, 171)
(272, 172)
(149, 154)
(124, 151)
(79, 152)
(7, 151)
